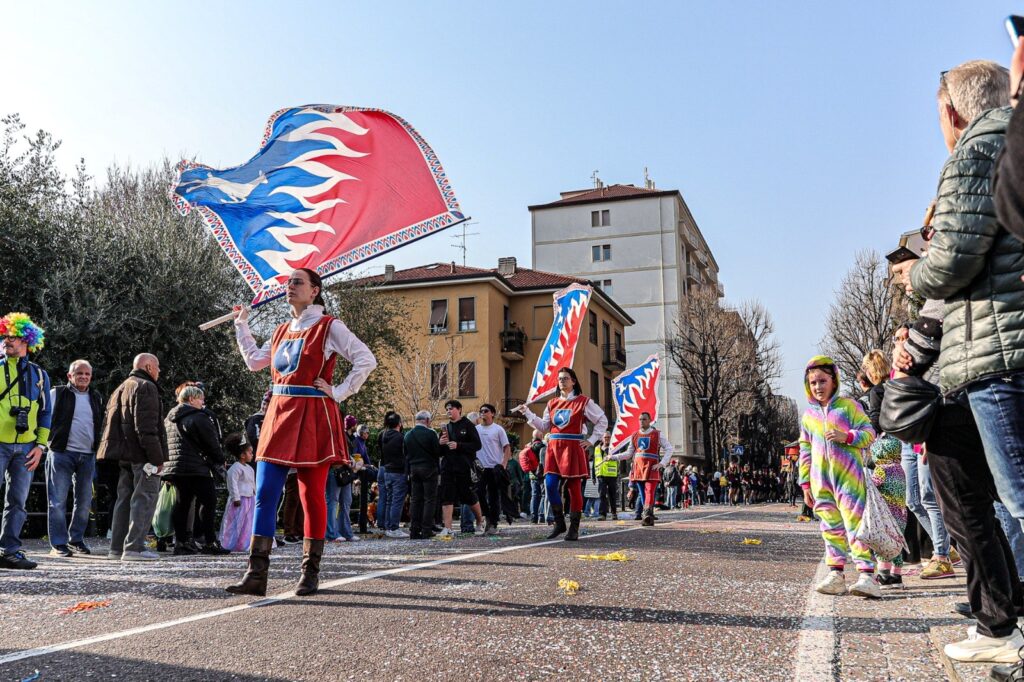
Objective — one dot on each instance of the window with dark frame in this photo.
(595, 386)
(609, 399)
(618, 340)
(592, 317)
(467, 314)
(600, 218)
(439, 380)
(467, 379)
(606, 286)
(439, 316)
(606, 252)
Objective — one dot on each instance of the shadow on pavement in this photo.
(75, 666)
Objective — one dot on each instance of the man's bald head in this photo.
(149, 363)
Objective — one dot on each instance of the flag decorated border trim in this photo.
(357, 255)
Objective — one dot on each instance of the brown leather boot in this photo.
(312, 551)
(254, 581)
(574, 526)
(648, 517)
(559, 515)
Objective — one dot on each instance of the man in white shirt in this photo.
(493, 455)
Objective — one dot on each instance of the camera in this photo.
(20, 415)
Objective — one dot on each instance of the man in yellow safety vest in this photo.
(606, 471)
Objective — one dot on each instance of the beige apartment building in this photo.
(476, 335)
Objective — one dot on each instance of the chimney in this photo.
(507, 266)
(453, 267)
(389, 273)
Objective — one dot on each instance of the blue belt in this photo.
(647, 455)
(297, 391)
(567, 436)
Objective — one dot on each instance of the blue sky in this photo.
(798, 132)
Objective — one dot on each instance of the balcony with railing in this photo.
(613, 356)
(508, 406)
(513, 344)
(693, 273)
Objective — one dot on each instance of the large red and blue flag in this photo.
(635, 391)
(570, 310)
(330, 187)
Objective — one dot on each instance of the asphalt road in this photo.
(694, 602)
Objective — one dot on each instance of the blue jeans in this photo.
(639, 506)
(1014, 535)
(670, 496)
(397, 486)
(536, 498)
(939, 536)
(591, 507)
(17, 480)
(344, 514)
(382, 498)
(998, 406)
(61, 468)
(467, 519)
(909, 460)
(332, 507)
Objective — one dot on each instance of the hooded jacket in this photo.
(844, 413)
(192, 442)
(974, 264)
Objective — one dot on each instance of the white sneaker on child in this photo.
(834, 583)
(866, 587)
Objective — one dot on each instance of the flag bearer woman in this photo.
(565, 418)
(302, 428)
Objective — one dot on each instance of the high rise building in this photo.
(643, 247)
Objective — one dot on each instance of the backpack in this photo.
(528, 459)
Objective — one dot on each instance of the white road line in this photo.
(816, 647)
(284, 596)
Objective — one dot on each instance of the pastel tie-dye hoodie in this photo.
(844, 413)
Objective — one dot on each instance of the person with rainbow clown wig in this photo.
(834, 432)
(24, 428)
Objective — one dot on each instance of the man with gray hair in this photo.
(422, 458)
(74, 436)
(135, 438)
(971, 277)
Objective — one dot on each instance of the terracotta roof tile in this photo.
(611, 192)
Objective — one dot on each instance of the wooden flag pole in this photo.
(220, 320)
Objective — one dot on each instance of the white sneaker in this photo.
(834, 583)
(354, 538)
(446, 533)
(866, 587)
(144, 555)
(978, 648)
(479, 529)
(398, 534)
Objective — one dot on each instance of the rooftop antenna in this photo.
(459, 240)
(597, 181)
(648, 183)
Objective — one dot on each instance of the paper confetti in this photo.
(444, 538)
(31, 678)
(570, 587)
(803, 519)
(83, 606)
(620, 523)
(751, 541)
(611, 556)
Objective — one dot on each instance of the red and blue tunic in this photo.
(646, 449)
(302, 427)
(565, 454)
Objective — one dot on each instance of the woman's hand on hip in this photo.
(324, 387)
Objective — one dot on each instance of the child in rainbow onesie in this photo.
(834, 431)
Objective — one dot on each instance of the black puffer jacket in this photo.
(192, 442)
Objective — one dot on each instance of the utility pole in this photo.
(459, 241)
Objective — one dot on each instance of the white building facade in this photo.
(643, 247)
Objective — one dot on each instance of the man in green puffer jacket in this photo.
(974, 265)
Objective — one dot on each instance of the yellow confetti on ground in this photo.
(610, 556)
(620, 523)
(570, 587)
(803, 519)
(444, 538)
(84, 606)
(751, 541)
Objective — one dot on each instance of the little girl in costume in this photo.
(834, 431)
(888, 475)
(236, 527)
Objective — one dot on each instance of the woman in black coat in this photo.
(195, 460)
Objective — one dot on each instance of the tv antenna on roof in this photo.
(459, 240)
(597, 181)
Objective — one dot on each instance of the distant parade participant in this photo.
(303, 427)
(565, 417)
(650, 453)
